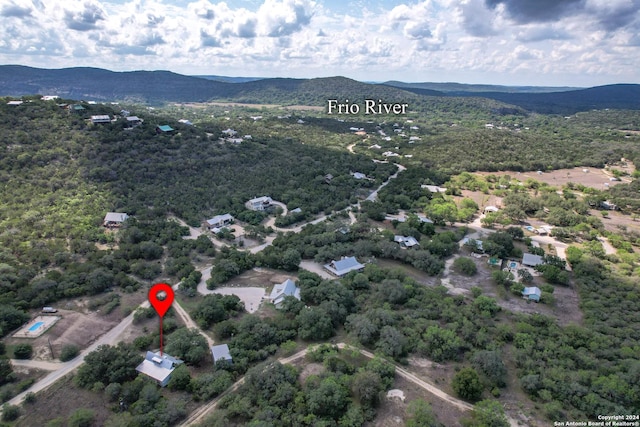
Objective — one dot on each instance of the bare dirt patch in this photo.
(311, 369)
(482, 200)
(392, 412)
(615, 220)
(594, 178)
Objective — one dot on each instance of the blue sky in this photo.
(511, 42)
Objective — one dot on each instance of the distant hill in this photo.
(228, 79)
(459, 88)
(618, 96)
(157, 87)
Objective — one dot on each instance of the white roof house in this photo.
(158, 367)
(220, 352)
(14, 103)
(114, 219)
(532, 260)
(219, 221)
(359, 175)
(259, 203)
(229, 132)
(491, 209)
(102, 118)
(343, 266)
(406, 241)
(286, 288)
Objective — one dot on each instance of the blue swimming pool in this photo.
(36, 326)
(513, 264)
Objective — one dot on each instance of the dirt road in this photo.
(201, 413)
(109, 338)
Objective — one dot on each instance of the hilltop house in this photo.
(221, 352)
(158, 367)
(114, 219)
(286, 288)
(259, 203)
(532, 294)
(343, 266)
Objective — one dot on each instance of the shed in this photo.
(114, 219)
(532, 294)
(221, 352)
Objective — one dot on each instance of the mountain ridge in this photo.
(161, 86)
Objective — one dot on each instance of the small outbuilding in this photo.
(220, 353)
(114, 219)
(532, 293)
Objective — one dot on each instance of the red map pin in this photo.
(161, 305)
(161, 298)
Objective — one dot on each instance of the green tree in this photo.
(188, 345)
(6, 371)
(81, 417)
(23, 351)
(69, 352)
(466, 383)
(367, 387)
(10, 412)
(420, 414)
(464, 265)
(487, 413)
(315, 324)
(329, 399)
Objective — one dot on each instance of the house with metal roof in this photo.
(531, 260)
(114, 219)
(406, 241)
(259, 203)
(282, 290)
(343, 266)
(219, 221)
(532, 294)
(101, 118)
(221, 352)
(159, 367)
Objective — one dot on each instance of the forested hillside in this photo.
(60, 174)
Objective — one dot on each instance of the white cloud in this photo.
(436, 39)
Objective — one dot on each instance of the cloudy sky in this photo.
(517, 42)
